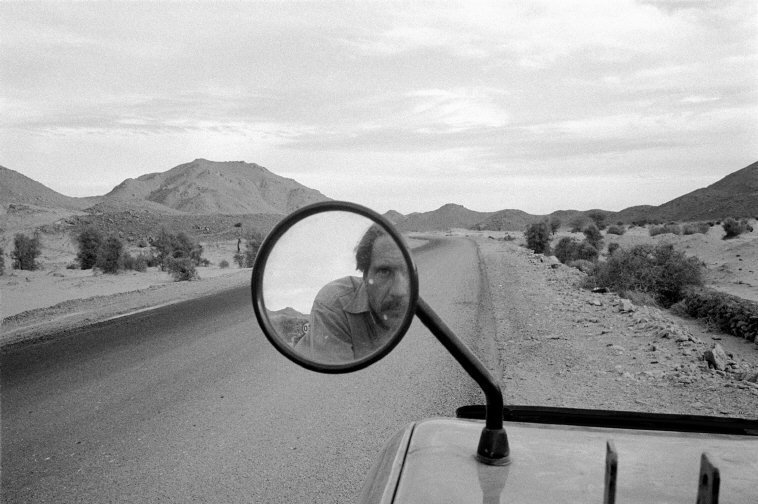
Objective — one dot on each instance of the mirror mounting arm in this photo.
(493, 444)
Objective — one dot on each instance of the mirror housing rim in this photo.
(256, 285)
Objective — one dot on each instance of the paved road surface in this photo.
(189, 403)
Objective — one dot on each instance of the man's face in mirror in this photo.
(387, 282)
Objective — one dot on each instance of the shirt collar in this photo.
(359, 303)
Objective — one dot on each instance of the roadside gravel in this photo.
(561, 345)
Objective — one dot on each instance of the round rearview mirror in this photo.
(334, 287)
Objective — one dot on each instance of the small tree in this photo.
(90, 240)
(538, 237)
(25, 252)
(109, 256)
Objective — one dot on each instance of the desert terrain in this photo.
(612, 356)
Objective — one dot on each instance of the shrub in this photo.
(616, 230)
(555, 224)
(2, 261)
(223, 264)
(182, 268)
(89, 241)
(176, 246)
(135, 263)
(538, 238)
(657, 270)
(25, 252)
(598, 218)
(239, 258)
(593, 236)
(666, 228)
(695, 227)
(109, 255)
(613, 247)
(734, 228)
(252, 245)
(577, 224)
(731, 314)
(582, 265)
(569, 249)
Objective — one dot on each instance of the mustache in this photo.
(394, 304)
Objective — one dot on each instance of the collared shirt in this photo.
(342, 328)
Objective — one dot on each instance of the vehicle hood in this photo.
(558, 463)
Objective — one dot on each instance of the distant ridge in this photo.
(446, 217)
(209, 187)
(20, 189)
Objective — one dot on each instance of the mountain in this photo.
(507, 220)
(735, 195)
(446, 217)
(394, 217)
(16, 188)
(210, 187)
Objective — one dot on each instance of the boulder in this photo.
(716, 357)
(626, 306)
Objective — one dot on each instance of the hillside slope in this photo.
(16, 188)
(209, 187)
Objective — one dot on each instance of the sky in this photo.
(534, 105)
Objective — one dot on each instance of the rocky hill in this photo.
(19, 189)
(446, 217)
(507, 220)
(209, 187)
(735, 195)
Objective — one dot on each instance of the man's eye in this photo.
(383, 272)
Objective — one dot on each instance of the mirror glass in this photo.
(336, 288)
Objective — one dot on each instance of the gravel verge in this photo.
(561, 345)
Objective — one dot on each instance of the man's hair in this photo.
(365, 246)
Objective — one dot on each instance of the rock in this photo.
(627, 306)
(752, 377)
(595, 302)
(716, 357)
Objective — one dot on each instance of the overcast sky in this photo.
(532, 105)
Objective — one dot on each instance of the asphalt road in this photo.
(189, 403)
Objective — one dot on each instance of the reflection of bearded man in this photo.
(352, 317)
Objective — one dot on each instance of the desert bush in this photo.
(666, 228)
(2, 261)
(734, 228)
(252, 245)
(538, 237)
(176, 246)
(577, 224)
(695, 227)
(135, 263)
(555, 224)
(731, 314)
(582, 265)
(25, 252)
(109, 255)
(657, 270)
(223, 264)
(616, 230)
(181, 269)
(89, 241)
(593, 236)
(598, 218)
(569, 249)
(613, 247)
